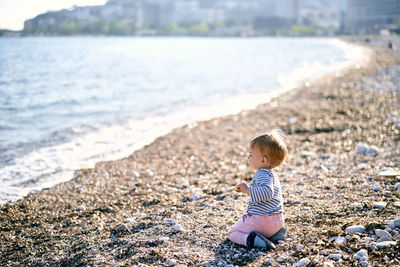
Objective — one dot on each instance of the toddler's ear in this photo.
(264, 159)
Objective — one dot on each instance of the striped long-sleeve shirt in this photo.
(265, 193)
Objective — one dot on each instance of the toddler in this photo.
(263, 221)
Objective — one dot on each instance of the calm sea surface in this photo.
(66, 103)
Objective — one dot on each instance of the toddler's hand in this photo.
(243, 188)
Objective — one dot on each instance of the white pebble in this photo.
(380, 205)
(80, 207)
(388, 172)
(300, 247)
(323, 253)
(171, 262)
(355, 229)
(303, 262)
(364, 259)
(129, 220)
(386, 244)
(307, 154)
(364, 263)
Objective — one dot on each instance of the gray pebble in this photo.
(382, 233)
(303, 262)
(362, 149)
(361, 254)
(335, 257)
(176, 228)
(373, 150)
(355, 229)
(384, 239)
(281, 259)
(376, 188)
(396, 222)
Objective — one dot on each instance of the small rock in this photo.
(323, 253)
(335, 257)
(361, 253)
(121, 228)
(171, 262)
(362, 149)
(303, 262)
(292, 120)
(281, 259)
(397, 186)
(384, 239)
(380, 205)
(355, 229)
(373, 150)
(376, 188)
(226, 198)
(388, 172)
(396, 222)
(338, 240)
(364, 259)
(169, 222)
(364, 263)
(194, 197)
(300, 247)
(373, 247)
(307, 154)
(176, 228)
(366, 239)
(129, 220)
(386, 244)
(382, 233)
(80, 208)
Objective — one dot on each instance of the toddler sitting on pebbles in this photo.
(263, 224)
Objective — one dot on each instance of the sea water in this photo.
(67, 103)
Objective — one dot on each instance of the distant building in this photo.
(370, 16)
(323, 13)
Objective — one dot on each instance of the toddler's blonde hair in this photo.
(271, 145)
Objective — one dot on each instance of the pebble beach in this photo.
(172, 202)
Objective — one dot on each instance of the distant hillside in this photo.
(183, 17)
(8, 33)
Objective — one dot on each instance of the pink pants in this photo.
(266, 225)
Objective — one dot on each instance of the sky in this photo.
(13, 13)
